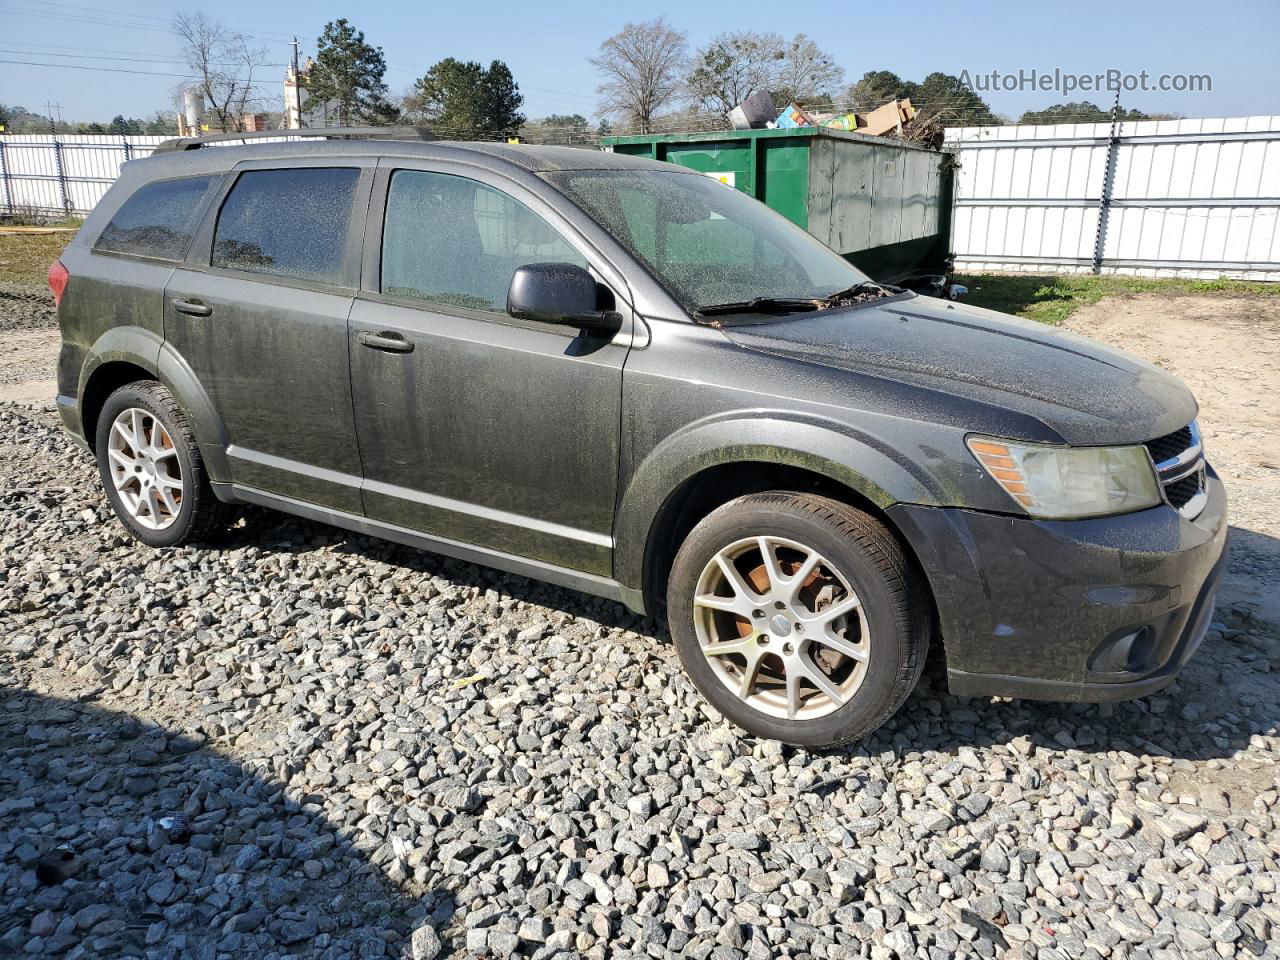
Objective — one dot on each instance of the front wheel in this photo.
(798, 617)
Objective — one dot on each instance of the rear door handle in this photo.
(192, 308)
(391, 342)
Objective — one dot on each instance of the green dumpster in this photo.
(885, 205)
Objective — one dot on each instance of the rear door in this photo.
(259, 311)
(475, 426)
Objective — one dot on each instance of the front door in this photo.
(473, 426)
(260, 315)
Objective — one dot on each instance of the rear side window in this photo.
(159, 219)
(287, 223)
(452, 240)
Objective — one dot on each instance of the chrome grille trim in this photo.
(1188, 463)
(1186, 456)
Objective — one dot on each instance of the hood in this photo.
(1082, 390)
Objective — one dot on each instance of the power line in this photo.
(97, 21)
(109, 21)
(81, 56)
(145, 73)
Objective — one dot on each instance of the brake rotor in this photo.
(814, 592)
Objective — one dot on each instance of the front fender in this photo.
(834, 450)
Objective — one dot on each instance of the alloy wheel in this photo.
(145, 469)
(781, 627)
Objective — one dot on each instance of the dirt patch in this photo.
(1227, 350)
(24, 307)
(28, 359)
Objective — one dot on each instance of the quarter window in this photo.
(287, 223)
(454, 241)
(159, 220)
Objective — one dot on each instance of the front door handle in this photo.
(192, 307)
(391, 342)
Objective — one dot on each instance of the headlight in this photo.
(1058, 483)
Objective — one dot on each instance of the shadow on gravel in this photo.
(118, 836)
(270, 530)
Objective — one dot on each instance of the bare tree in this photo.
(807, 73)
(641, 69)
(735, 65)
(223, 63)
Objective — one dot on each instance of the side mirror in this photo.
(558, 293)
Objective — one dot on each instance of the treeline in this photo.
(17, 119)
(649, 78)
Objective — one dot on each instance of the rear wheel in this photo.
(798, 617)
(152, 471)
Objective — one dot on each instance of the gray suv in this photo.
(629, 379)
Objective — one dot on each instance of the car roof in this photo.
(532, 158)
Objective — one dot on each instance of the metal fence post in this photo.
(1108, 181)
(62, 177)
(4, 178)
(128, 148)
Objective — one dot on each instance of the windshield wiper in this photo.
(763, 305)
(865, 290)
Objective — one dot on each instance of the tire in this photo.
(861, 569)
(199, 515)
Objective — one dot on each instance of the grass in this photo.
(1052, 299)
(26, 259)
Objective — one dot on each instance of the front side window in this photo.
(159, 220)
(455, 241)
(707, 243)
(287, 223)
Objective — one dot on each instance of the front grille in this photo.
(1180, 466)
(1170, 445)
(1181, 491)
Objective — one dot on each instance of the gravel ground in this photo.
(307, 743)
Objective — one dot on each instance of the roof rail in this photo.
(323, 133)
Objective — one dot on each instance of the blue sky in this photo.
(546, 45)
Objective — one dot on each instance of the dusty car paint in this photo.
(558, 454)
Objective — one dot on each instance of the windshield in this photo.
(706, 242)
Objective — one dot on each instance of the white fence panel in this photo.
(47, 174)
(1197, 198)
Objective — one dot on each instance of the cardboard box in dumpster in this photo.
(848, 122)
(793, 116)
(892, 116)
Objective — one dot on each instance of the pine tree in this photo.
(348, 76)
(465, 101)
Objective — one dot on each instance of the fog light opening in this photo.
(1127, 652)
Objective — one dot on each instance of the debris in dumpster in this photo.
(848, 121)
(894, 118)
(754, 112)
(793, 116)
(891, 117)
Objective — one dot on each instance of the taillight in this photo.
(58, 277)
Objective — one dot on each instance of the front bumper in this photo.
(1075, 610)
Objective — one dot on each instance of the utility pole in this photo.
(297, 85)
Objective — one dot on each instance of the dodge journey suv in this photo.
(629, 379)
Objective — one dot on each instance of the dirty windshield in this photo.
(714, 248)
